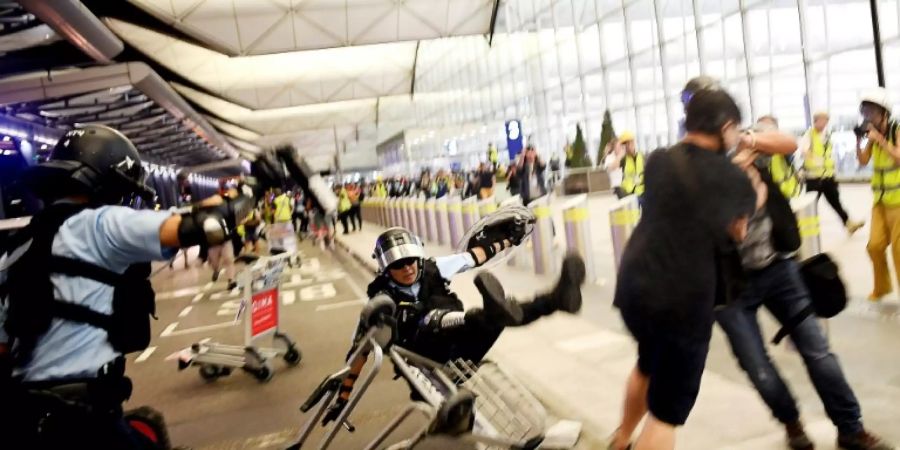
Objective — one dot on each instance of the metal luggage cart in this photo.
(259, 311)
(480, 404)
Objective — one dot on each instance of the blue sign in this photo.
(514, 138)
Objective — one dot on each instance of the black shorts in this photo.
(674, 365)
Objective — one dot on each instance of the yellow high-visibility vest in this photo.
(633, 174)
(282, 208)
(784, 175)
(819, 163)
(886, 172)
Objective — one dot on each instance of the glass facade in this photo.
(557, 63)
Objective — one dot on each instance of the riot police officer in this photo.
(431, 319)
(65, 320)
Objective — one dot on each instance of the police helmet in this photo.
(93, 160)
(398, 245)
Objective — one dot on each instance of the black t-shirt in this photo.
(668, 271)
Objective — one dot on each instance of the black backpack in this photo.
(827, 294)
(32, 303)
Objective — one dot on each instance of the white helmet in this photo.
(878, 96)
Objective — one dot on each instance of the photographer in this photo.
(882, 150)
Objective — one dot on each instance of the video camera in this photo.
(861, 130)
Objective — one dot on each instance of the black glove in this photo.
(334, 411)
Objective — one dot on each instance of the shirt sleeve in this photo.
(125, 236)
(453, 264)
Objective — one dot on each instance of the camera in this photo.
(861, 130)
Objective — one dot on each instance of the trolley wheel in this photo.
(293, 356)
(263, 374)
(211, 372)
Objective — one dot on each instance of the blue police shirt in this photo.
(112, 237)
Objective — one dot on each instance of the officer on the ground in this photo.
(431, 320)
(65, 318)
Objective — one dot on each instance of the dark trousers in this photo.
(474, 339)
(781, 290)
(829, 188)
(343, 217)
(356, 217)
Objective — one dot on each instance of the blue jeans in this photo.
(781, 289)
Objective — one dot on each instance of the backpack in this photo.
(32, 302)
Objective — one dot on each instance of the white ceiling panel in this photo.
(256, 27)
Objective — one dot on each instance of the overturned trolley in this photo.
(479, 404)
(259, 310)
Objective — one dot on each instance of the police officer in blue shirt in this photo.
(65, 320)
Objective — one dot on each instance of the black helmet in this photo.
(94, 160)
(396, 244)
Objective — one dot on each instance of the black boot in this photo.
(498, 309)
(566, 296)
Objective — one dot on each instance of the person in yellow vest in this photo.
(819, 166)
(493, 156)
(883, 151)
(380, 190)
(283, 207)
(344, 206)
(632, 166)
(781, 167)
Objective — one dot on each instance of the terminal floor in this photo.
(576, 365)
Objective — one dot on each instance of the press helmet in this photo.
(396, 244)
(879, 97)
(93, 160)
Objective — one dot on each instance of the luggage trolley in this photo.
(480, 404)
(259, 283)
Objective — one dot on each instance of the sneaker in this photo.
(567, 292)
(853, 226)
(231, 284)
(797, 438)
(215, 276)
(497, 307)
(876, 298)
(862, 441)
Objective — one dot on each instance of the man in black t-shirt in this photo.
(696, 205)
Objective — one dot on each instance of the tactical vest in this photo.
(33, 303)
(434, 293)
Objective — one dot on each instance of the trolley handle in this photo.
(330, 383)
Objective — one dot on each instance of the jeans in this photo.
(781, 289)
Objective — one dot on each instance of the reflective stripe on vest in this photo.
(784, 176)
(885, 173)
(633, 174)
(819, 164)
